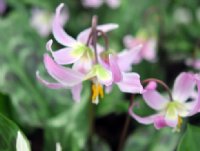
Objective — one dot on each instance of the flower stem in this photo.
(91, 126)
(125, 129)
(124, 132)
(161, 83)
(94, 36)
(105, 37)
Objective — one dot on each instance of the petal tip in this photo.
(58, 9)
(49, 44)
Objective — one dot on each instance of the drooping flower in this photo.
(170, 112)
(148, 50)
(88, 64)
(75, 51)
(42, 20)
(97, 3)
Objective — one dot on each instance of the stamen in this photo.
(100, 89)
(97, 90)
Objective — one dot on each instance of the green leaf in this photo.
(99, 144)
(71, 127)
(20, 56)
(190, 140)
(148, 138)
(8, 135)
(112, 102)
(5, 105)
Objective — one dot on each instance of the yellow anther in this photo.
(100, 90)
(97, 90)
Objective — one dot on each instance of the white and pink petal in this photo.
(183, 87)
(65, 76)
(50, 85)
(83, 36)
(116, 73)
(130, 83)
(58, 32)
(154, 99)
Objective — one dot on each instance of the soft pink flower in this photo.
(148, 50)
(170, 112)
(102, 71)
(97, 3)
(42, 20)
(75, 50)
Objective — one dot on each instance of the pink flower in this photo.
(97, 3)
(170, 112)
(87, 63)
(148, 50)
(128, 82)
(75, 51)
(42, 20)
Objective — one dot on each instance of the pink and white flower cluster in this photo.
(98, 65)
(89, 60)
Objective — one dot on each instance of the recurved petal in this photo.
(154, 99)
(60, 35)
(49, 84)
(157, 119)
(65, 76)
(76, 92)
(129, 57)
(83, 36)
(183, 86)
(64, 55)
(143, 120)
(116, 73)
(130, 83)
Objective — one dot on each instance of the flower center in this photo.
(175, 109)
(97, 90)
(81, 49)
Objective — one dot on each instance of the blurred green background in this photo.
(49, 116)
